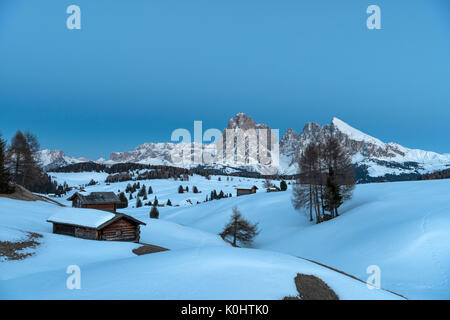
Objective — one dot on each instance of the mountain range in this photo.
(373, 159)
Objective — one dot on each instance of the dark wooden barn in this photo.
(241, 191)
(106, 201)
(109, 227)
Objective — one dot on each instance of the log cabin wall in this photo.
(63, 229)
(121, 230)
(241, 192)
(105, 207)
(85, 233)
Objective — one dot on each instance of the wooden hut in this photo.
(96, 225)
(241, 191)
(106, 201)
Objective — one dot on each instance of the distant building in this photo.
(273, 189)
(96, 225)
(106, 201)
(241, 191)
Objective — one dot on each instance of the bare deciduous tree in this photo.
(325, 180)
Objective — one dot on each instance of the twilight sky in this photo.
(139, 69)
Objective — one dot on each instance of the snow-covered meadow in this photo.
(400, 227)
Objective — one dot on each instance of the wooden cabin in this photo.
(106, 201)
(97, 225)
(241, 191)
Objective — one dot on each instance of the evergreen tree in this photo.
(239, 230)
(283, 185)
(123, 201)
(150, 190)
(154, 213)
(180, 189)
(194, 189)
(155, 202)
(138, 202)
(169, 203)
(131, 196)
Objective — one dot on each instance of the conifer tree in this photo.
(123, 201)
(239, 230)
(154, 213)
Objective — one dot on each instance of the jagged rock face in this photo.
(352, 140)
(289, 142)
(244, 122)
(144, 151)
(50, 159)
(376, 156)
(247, 144)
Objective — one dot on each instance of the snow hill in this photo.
(199, 265)
(401, 227)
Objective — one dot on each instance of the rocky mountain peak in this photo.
(289, 142)
(242, 121)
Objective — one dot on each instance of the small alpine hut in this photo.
(241, 191)
(106, 201)
(96, 225)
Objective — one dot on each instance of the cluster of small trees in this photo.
(217, 196)
(183, 190)
(325, 180)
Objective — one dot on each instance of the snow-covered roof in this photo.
(82, 217)
(89, 218)
(96, 198)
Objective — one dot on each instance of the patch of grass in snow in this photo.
(14, 250)
(310, 287)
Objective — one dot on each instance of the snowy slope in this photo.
(209, 269)
(207, 273)
(401, 227)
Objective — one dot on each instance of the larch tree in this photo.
(5, 177)
(239, 230)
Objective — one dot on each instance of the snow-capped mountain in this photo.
(50, 159)
(371, 156)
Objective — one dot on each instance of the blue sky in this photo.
(137, 70)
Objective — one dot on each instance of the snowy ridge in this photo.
(377, 157)
(355, 134)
